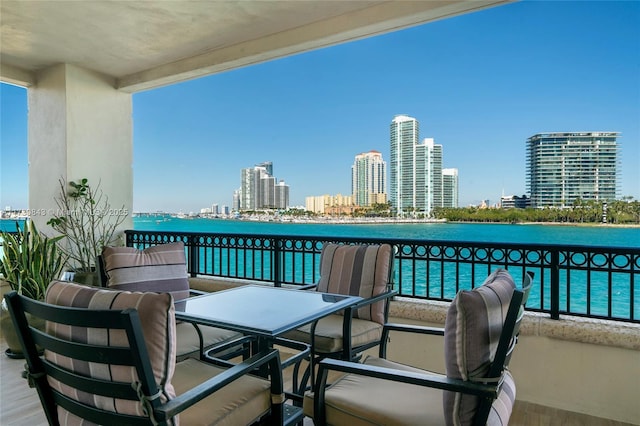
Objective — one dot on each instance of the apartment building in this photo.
(562, 167)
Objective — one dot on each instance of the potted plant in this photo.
(30, 261)
(88, 223)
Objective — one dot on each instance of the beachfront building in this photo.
(416, 169)
(368, 179)
(450, 188)
(562, 167)
(330, 204)
(515, 202)
(259, 190)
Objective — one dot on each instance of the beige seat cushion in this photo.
(358, 400)
(329, 333)
(188, 342)
(235, 404)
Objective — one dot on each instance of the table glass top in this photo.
(262, 310)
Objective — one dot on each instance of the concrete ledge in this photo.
(569, 328)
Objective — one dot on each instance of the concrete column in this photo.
(79, 127)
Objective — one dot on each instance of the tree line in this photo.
(623, 211)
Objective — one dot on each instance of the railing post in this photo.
(277, 252)
(194, 258)
(555, 284)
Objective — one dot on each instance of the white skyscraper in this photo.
(416, 169)
(450, 188)
(260, 190)
(368, 179)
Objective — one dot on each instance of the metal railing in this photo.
(596, 282)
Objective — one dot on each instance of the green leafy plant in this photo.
(30, 260)
(87, 221)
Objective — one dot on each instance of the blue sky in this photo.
(480, 84)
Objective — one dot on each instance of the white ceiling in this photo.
(144, 44)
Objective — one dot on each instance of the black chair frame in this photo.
(136, 355)
(487, 390)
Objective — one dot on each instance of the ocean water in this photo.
(592, 235)
(598, 235)
(602, 236)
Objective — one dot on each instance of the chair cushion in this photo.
(157, 316)
(357, 270)
(328, 338)
(360, 400)
(502, 407)
(241, 402)
(188, 341)
(472, 330)
(161, 268)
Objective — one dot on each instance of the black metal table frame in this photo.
(266, 313)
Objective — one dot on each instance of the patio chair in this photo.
(163, 268)
(480, 334)
(109, 358)
(364, 270)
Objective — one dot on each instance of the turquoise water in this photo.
(605, 236)
(503, 233)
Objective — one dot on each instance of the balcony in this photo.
(568, 372)
(573, 364)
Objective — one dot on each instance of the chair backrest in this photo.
(161, 268)
(109, 356)
(480, 334)
(364, 270)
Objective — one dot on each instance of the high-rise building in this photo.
(368, 178)
(260, 190)
(450, 188)
(416, 169)
(562, 167)
(281, 195)
(434, 174)
(403, 193)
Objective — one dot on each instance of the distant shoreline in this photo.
(372, 221)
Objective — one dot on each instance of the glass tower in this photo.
(562, 167)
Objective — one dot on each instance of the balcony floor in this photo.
(20, 406)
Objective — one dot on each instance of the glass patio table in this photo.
(263, 311)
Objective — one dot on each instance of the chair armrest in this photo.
(410, 328)
(193, 292)
(432, 380)
(208, 387)
(382, 296)
(407, 328)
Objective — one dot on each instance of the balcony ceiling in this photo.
(147, 44)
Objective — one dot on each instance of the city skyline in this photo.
(480, 84)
